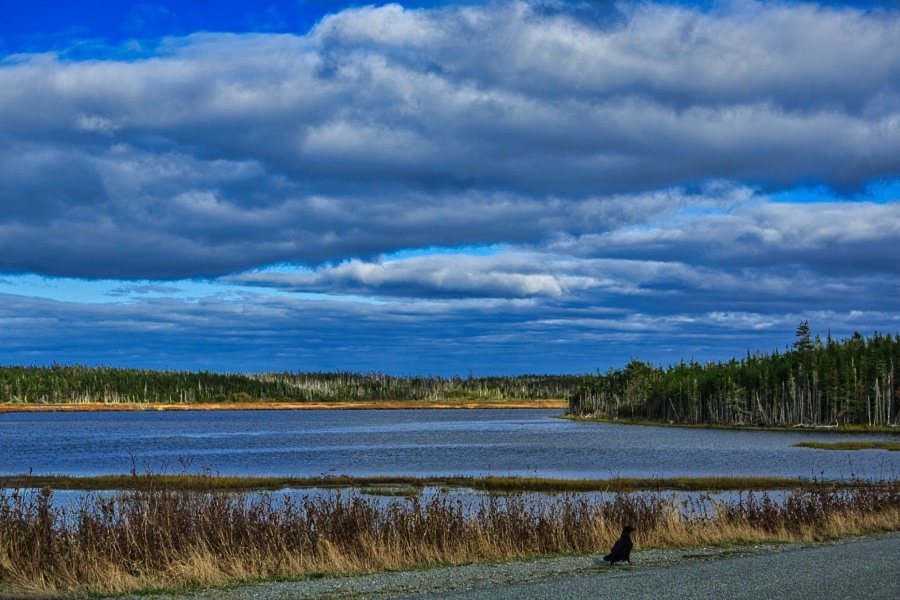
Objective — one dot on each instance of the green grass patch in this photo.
(854, 445)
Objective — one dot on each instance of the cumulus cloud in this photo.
(828, 238)
(631, 168)
(387, 128)
(505, 276)
(489, 336)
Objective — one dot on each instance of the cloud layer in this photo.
(642, 164)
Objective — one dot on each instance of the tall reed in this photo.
(155, 537)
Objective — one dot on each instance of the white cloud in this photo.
(625, 161)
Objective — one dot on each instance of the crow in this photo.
(621, 550)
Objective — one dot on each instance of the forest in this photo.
(60, 384)
(814, 383)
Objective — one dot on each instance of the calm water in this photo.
(410, 442)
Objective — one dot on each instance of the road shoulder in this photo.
(457, 579)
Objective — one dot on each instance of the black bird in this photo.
(621, 550)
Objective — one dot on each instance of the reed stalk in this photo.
(156, 537)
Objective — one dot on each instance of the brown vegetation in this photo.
(851, 445)
(203, 482)
(160, 538)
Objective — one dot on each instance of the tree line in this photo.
(814, 382)
(59, 384)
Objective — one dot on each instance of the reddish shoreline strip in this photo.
(349, 405)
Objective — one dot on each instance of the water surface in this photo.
(411, 442)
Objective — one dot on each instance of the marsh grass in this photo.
(205, 481)
(850, 445)
(396, 490)
(152, 536)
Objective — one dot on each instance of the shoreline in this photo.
(265, 405)
(393, 485)
(796, 428)
(466, 404)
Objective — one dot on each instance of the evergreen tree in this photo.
(804, 342)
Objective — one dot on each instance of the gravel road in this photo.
(854, 568)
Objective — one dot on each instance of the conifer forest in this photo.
(814, 382)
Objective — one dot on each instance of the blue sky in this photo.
(443, 187)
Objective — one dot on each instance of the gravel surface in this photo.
(564, 576)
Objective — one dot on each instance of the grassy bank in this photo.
(158, 537)
(853, 445)
(204, 483)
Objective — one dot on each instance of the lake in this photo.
(304, 443)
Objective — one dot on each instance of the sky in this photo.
(444, 187)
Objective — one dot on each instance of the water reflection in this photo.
(691, 504)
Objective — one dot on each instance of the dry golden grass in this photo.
(161, 538)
